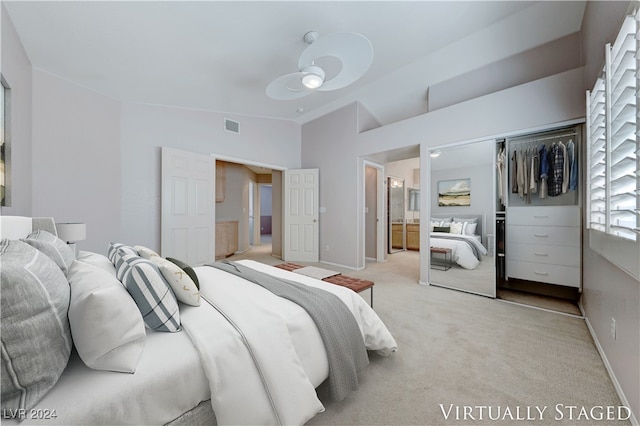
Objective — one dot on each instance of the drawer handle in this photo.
(541, 235)
(541, 217)
(541, 254)
(540, 273)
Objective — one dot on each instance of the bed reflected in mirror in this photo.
(461, 218)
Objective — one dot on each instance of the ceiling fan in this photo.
(328, 63)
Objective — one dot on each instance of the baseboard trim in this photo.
(612, 376)
(340, 265)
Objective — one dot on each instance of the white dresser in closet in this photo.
(543, 244)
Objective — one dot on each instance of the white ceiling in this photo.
(220, 56)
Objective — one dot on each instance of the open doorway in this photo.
(401, 165)
(244, 205)
(265, 192)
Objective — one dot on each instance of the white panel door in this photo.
(188, 206)
(301, 228)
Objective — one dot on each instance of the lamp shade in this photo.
(71, 232)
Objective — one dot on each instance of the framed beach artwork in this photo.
(454, 193)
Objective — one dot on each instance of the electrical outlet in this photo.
(613, 328)
(326, 248)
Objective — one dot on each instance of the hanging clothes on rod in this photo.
(502, 182)
(573, 165)
(556, 165)
(546, 169)
(534, 174)
(514, 173)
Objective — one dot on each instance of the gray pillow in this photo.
(463, 219)
(53, 247)
(187, 269)
(150, 290)
(441, 220)
(114, 247)
(36, 339)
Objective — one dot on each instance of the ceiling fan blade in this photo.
(354, 51)
(287, 87)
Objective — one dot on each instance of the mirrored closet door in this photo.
(462, 217)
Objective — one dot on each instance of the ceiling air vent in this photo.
(231, 126)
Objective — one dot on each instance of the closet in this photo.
(540, 195)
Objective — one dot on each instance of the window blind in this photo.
(613, 148)
(596, 143)
(623, 141)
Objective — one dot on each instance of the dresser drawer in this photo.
(544, 216)
(544, 235)
(555, 255)
(541, 272)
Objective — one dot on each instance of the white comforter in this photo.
(280, 337)
(173, 376)
(461, 253)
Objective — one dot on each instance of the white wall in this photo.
(331, 143)
(147, 128)
(16, 70)
(98, 161)
(76, 158)
(608, 292)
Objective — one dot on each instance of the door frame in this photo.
(380, 203)
(259, 210)
(242, 161)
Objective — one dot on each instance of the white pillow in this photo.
(456, 227)
(182, 285)
(106, 325)
(470, 229)
(99, 260)
(144, 252)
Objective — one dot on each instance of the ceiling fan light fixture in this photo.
(313, 77)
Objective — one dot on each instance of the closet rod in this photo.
(564, 135)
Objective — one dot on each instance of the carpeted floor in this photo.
(458, 351)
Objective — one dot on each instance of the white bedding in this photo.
(173, 375)
(168, 381)
(461, 253)
(282, 337)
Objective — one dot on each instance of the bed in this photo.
(463, 234)
(242, 355)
